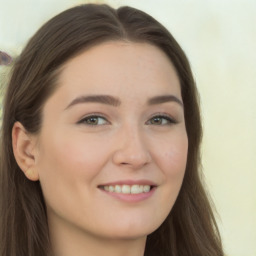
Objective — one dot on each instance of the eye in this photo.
(93, 120)
(161, 120)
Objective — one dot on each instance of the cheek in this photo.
(173, 157)
(68, 170)
(176, 158)
(71, 157)
(172, 161)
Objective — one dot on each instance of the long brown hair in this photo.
(190, 229)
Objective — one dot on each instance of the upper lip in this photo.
(129, 182)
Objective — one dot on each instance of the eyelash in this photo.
(169, 119)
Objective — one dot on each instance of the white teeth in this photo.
(127, 189)
(111, 189)
(118, 189)
(136, 189)
(146, 188)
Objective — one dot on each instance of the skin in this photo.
(129, 141)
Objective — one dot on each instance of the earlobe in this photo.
(32, 174)
(24, 151)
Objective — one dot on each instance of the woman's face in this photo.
(112, 151)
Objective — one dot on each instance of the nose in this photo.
(131, 149)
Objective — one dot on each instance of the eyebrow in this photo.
(115, 102)
(103, 99)
(164, 99)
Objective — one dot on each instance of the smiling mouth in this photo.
(127, 189)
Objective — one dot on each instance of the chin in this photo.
(132, 231)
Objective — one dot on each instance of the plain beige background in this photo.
(219, 37)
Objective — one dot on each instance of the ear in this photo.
(23, 145)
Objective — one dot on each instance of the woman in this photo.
(100, 142)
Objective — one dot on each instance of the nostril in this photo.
(125, 163)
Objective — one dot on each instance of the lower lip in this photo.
(132, 198)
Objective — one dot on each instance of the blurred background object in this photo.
(5, 59)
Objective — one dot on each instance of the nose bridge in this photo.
(131, 147)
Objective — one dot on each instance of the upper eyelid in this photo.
(94, 114)
(163, 114)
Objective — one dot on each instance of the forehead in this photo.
(120, 68)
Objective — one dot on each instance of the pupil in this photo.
(93, 120)
(157, 120)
